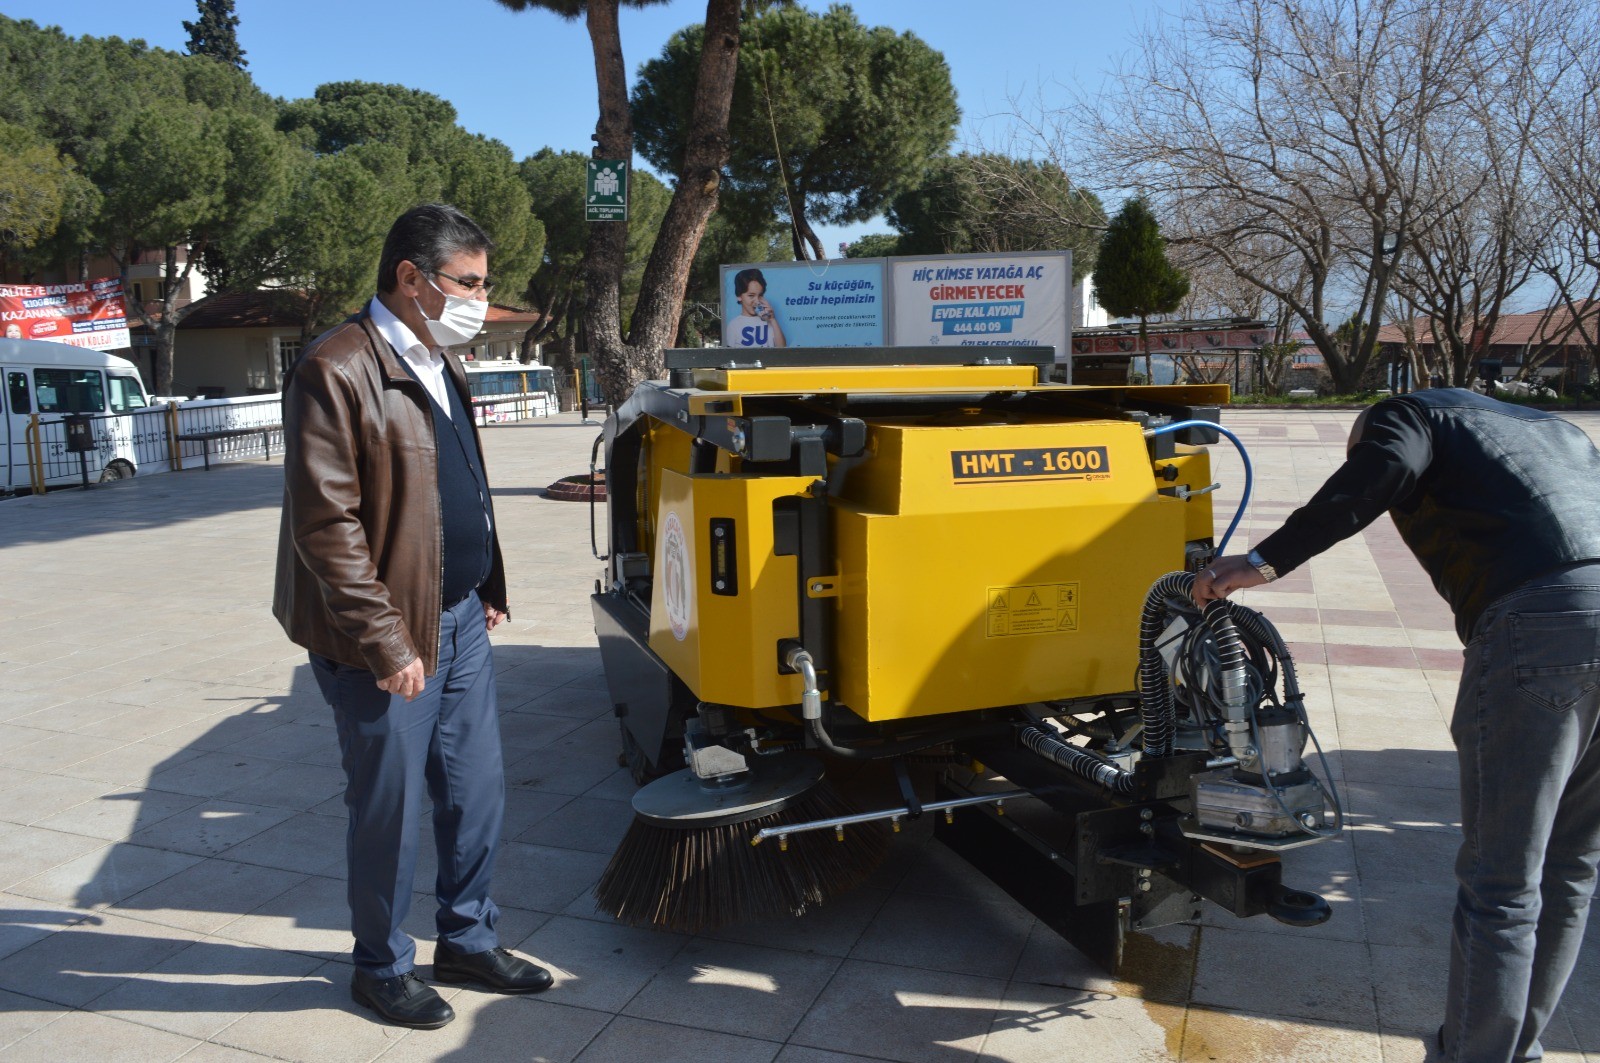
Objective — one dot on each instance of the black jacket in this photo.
(1487, 495)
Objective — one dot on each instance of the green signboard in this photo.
(605, 191)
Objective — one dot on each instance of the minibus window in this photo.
(125, 394)
(17, 385)
(70, 390)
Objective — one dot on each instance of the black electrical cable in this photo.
(1222, 639)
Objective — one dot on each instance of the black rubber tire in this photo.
(116, 470)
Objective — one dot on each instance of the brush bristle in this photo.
(693, 880)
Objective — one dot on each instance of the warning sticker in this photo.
(1032, 609)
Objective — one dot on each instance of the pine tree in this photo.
(1132, 277)
(216, 33)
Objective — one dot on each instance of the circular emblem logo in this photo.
(677, 575)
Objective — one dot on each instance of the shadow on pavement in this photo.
(148, 501)
(234, 859)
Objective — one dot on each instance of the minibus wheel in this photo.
(120, 469)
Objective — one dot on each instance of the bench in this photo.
(210, 434)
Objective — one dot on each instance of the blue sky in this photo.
(528, 79)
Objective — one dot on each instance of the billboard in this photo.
(1023, 298)
(85, 314)
(804, 304)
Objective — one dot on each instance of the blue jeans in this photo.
(1524, 729)
(445, 743)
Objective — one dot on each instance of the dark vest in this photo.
(1510, 494)
(466, 515)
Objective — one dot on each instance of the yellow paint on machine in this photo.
(922, 636)
(1031, 609)
(724, 645)
(1194, 471)
(961, 516)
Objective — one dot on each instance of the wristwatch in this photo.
(1258, 563)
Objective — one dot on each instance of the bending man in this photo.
(1501, 505)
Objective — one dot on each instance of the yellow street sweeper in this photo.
(839, 559)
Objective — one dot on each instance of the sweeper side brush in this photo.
(690, 861)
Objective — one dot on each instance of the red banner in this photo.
(85, 314)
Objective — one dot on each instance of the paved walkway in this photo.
(171, 827)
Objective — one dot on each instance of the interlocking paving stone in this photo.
(126, 766)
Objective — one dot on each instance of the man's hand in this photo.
(491, 616)
(1224, 576)
(407, 682)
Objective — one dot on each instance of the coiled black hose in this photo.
(1236, 633)
(1156, 711)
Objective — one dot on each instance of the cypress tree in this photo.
(215, 33)
(1132, 277)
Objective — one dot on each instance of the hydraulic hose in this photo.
(1157, 708)
(1038, 738)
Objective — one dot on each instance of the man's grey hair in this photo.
(428, 236)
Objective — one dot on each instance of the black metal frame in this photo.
(1092, 867)
(649, 700)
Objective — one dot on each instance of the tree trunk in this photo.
(607, 246)
(621, 365)
(666, 275)
(802, 235)
(135, 308)
(172, 314)
(167, 333)
(529, 342)
(1144, 344)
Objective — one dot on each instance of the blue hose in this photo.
(1249, 474)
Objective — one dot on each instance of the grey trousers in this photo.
(1525, 732)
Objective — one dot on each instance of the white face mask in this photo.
(460, 320)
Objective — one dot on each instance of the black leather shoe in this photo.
(496, 969)
(404, 1000)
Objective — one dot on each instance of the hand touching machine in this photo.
(843, 564)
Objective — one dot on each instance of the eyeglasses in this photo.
(473, 285)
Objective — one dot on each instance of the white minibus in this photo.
(515, 389)
(55, 380)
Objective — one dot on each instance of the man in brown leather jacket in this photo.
(389, 573)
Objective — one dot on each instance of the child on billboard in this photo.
(757, 324)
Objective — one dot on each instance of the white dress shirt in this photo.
(427, 362)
